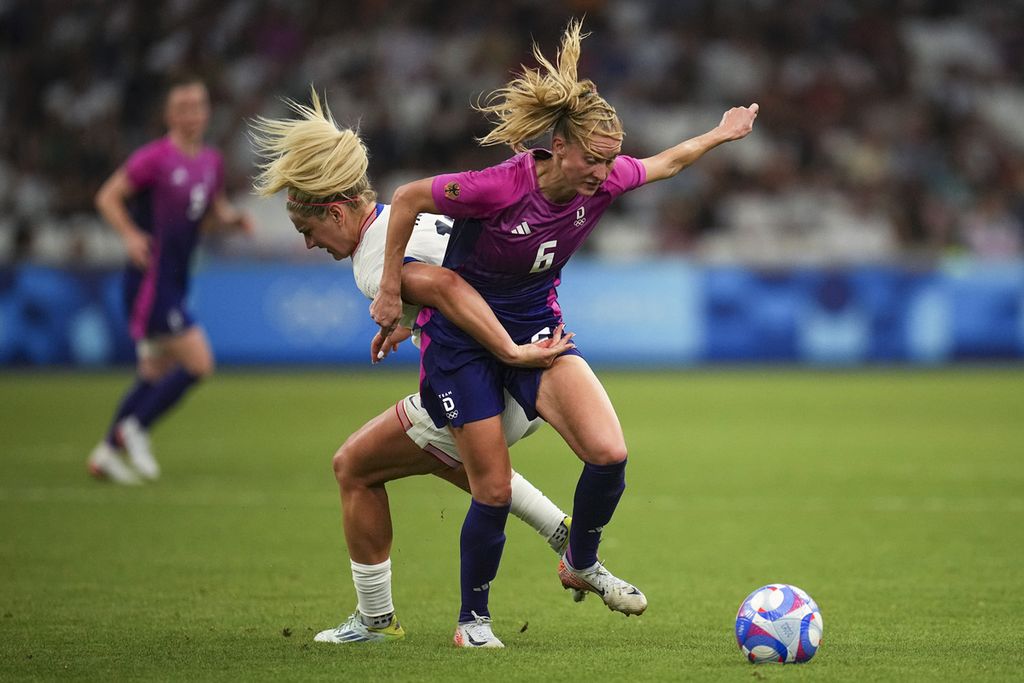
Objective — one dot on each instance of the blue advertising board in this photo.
(656, 313)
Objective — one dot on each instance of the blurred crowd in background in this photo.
(889, 130)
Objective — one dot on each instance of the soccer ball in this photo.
(778, 623)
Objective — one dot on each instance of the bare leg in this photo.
(379, 452)
(577, 406)
(155, 366)
(191, 350)
(573, 401)
(484, 454)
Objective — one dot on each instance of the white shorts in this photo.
(439, 442)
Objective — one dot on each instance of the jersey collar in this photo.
(367, 223)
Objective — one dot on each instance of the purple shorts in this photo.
(153, 311)
(467, 385)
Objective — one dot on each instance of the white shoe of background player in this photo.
(136, 442)
(106, 463)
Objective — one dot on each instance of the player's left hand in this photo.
(542, 354)
(738, 122)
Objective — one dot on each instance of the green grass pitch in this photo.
(895, 498)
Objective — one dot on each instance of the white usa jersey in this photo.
(428, 243)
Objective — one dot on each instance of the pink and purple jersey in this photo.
(173, 194)
(510, 243)
(517, 241)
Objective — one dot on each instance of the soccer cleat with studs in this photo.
(140, 453)
(617, 594)
(476, 633)
(106, 463)
(353, 630)
(559, 542)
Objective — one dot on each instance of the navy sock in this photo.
(597, 494)
(481, 543)
(129, 404)
(165, 394)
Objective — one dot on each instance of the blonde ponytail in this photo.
(312, 157)
(550, 98)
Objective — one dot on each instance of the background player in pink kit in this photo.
(333, 206)
(158, 202)
(524, 219)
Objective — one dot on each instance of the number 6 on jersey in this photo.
(545, 256)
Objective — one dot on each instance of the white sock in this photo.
(373, 589)
(534, 508)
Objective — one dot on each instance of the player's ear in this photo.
(558, 145)
(334, 213)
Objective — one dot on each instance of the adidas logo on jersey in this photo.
(522, 229)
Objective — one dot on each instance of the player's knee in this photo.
(341, 464)
(150, 373)
(496, 494)
(608, 453)
(202, 367)
(206, 369)
(347, 464)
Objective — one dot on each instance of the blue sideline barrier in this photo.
(658, 313)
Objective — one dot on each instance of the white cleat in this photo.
(136, 442)
(353, 630)
(106, 463)
(618, 595)
(476, 633)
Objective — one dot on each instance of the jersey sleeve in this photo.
(627, 174)
(480, 194)
(141, 167)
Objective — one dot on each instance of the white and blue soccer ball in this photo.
(779, 623)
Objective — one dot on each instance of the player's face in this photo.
(188, 110)
(585, 171)
(324, 233)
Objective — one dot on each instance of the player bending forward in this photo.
(333, 206)
(519, 224)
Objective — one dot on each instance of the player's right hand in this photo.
(542, 354)
(137, 245)
(386, 311)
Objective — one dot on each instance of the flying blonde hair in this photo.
(311, 157)
(550, 98)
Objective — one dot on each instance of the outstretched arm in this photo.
(735, 124)
(408, 201)
(445, 290)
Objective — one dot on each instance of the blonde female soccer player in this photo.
(523, 220)
(333, 206)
